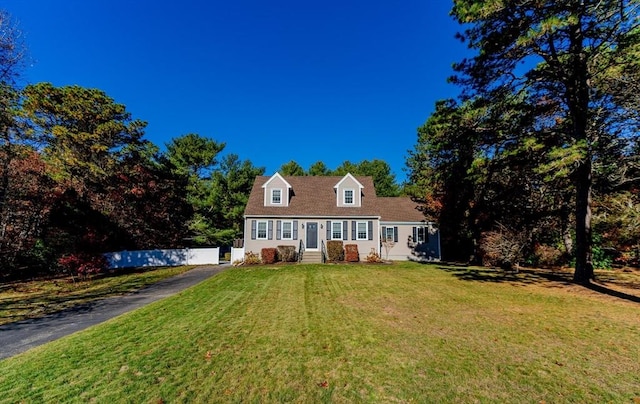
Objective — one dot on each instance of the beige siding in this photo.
(364, 246)
(256, 245)
(276, 183)
(402, 251)
(350, 184)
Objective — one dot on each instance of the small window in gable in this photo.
(336, 230)
(362, 231)
(348, 197)
(287, 231)
(276, 196)
(262, 230)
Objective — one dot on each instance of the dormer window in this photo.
(348, 197)
(349, 192)
(277, 192)
(276, 196)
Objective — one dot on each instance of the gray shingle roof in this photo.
(399, 209)
(316, 196)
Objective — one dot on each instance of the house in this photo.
(307, 211)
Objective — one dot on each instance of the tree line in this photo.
(384, 180)
(78, 178)
(537, 160)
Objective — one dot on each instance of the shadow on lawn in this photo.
(546, 278)
(42, 305)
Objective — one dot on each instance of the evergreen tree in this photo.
(573, 55)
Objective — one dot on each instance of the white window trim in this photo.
(266, 230)
(341, 230)
(353, 196)
(272, 192)
(393, 233)
(282, 237)
(366, 231)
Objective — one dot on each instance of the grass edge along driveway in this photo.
(21, 300)
(346, 333)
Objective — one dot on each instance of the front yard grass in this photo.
(348, 333)
(36, 298)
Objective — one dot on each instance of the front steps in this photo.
(311, 257)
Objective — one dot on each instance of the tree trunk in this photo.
(578, 101)
(584, 265)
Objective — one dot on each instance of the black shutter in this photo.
(270, 230)
(395, 234)
(415, 234)
(328, 230)
(345, 230)
(253, 230)
(278, 229)
(370, 227)
(383, 236)
(353, 230)
(295, 230)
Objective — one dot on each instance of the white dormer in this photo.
(349, 192)
(276, 191)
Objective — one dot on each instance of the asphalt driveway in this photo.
(23, 335)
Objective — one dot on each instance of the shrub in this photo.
(268, 255)
(287, 253)
(502, 248)
(373, 256)
(351, 253)
(547, 256)
(251, 258)
(602, 257)
(335, 251)
(83, 264)
(227, 256)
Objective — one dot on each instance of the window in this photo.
(420, 235)
(276, 196)
(287, 231)
(336, 230)
(362, 231)
(348, 196)
(389, 234)
(262, 230)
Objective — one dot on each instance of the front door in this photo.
(312, 235)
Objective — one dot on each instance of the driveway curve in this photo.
(20, 336)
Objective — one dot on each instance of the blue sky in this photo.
(276, 81)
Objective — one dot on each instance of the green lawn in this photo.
(29, 299)
(348, 333)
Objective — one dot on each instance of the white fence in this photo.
(161, 258)
(237, 254)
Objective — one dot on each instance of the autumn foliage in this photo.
(351, 253)
(83, 264)
(269, 255)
